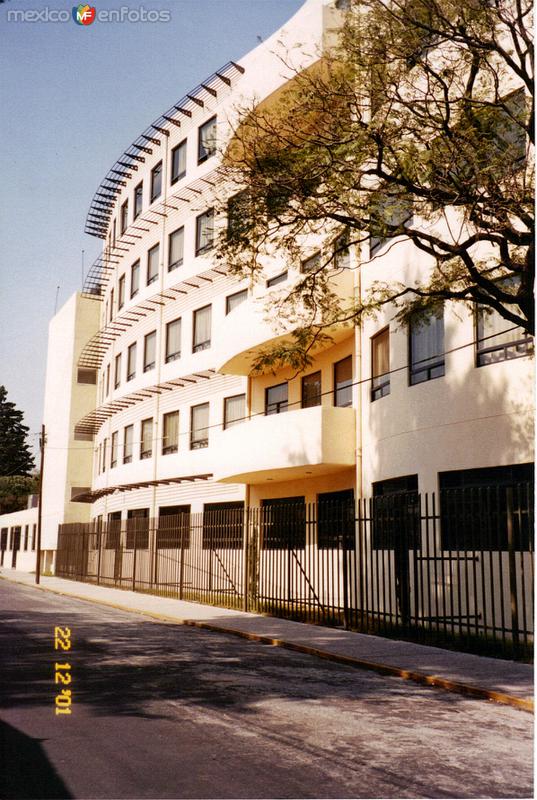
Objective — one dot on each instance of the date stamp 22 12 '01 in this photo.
(62, 672)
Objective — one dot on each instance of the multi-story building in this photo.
(162, 393)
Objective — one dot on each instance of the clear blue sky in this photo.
(72, 98)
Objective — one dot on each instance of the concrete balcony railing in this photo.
(248, 329)
(288, 446)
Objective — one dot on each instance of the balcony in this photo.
(248, 329)
(296, 444)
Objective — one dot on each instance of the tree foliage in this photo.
(419, 124)
(14, 492)
(15, 456)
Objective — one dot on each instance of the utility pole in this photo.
(42, 442)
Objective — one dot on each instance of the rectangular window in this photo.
(86, 376)
(343, 383)
(173, 340)
(34, 536)
(107, 391)
(426, 336)
(487, 509)
(117, 371)
(335, 515)
(204, 231)
(170, 432)
(207, 140)
(114, 233)
(111, 305)
(201, 329)
(103, 463)
(137, 529)
(3, 539)
(152, 264)
(234, 410)
(26, 530)
(283, 523)
(497, 338)
(240, 216)
(173, 527)
(135, 278)
(113, 449)
(199, 426)
(223, 526)
(389, 215)
(113, 533)
(342, 253)
(121, 293)
(150, 349)
(380, 364)
(131, 361)
(277, 279)
(179, 162)
(124, 218)
(234, 300)
(156, 181)
(311, 264)
(176, 242)
(146, 444)
(276, 399)
(396, 526)
(311, 390)
(138, 200)
(127, 444)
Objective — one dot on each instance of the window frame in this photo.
(138, 200)
(124, 216)
(205, 345)
(338, 390)
(117, 371)
(380, 388)
(149, 279)
(303, 382)
(180, 261)
(439, 363)
(169, 448)
(199, 443)
(135, 270)
(281, 406)
(276, 279)
(127, 457)
(145, 454)
(132, 348)
(225, 422)
(176, 149)
(199, 248)
(155, 186)
(169, 357)
(241, 292)
(121, 292)
(204, 156)
(149, 365)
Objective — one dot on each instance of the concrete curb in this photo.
(423, 678)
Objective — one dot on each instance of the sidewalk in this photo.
(487, 678)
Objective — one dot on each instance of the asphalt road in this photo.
(164, 711)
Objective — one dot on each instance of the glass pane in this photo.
(146, 446)
(176, 246)
(199, 434)
(150, 345)
(135, 278)
(311, 390)
(202, 328)
(173, 340)
(152, 264)
(234, 410)
(276, 399)
(131, 361)
(156, 182)
(204, 231)
(127, 444)
(170, 436)
(207, 139)
(343, 382)
(138, 199)
(235, 300)
(179, 162)
(427, 345)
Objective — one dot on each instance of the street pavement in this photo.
(162, 710)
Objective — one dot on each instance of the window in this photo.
(497, 339)
(152, 264)
(380, 364)
(276, 399)
(204, 231)
(114, 233)
(335, 515)
(240, 216)
(107, 391)
(480, 508)
(311, 390)
(311, 264)
(121, 293)
(117, 371)
(389, 214)
(173, 527)
(199, 426)
(34, 536)
(156, 181)
(124, 218)
(111, 305)
(173, 340)
(113, 449)
(234, 300)
(342, 254)
(223, 526)
(202, 329)
(234, 410)
(138, 200)
(150, 348)
(135, 278)
(113, 534)
(284, 523)
(176, 241)
(396, 514)
(26, 530)
(427, 345)
(131, 361)
(277, 279)
(343, 382)
(127, 444)
(3, 539)
(86, 376)
(137, 529)
(146, 445)
(207, 140)
(103, 463)
(179, 162)
(170, 432)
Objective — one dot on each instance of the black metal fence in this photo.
(454, 570)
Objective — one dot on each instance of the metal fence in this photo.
(454, 569)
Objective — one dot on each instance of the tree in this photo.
(418, 124)
(14, 491)
(15, 456)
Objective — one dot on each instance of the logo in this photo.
(83, 15)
